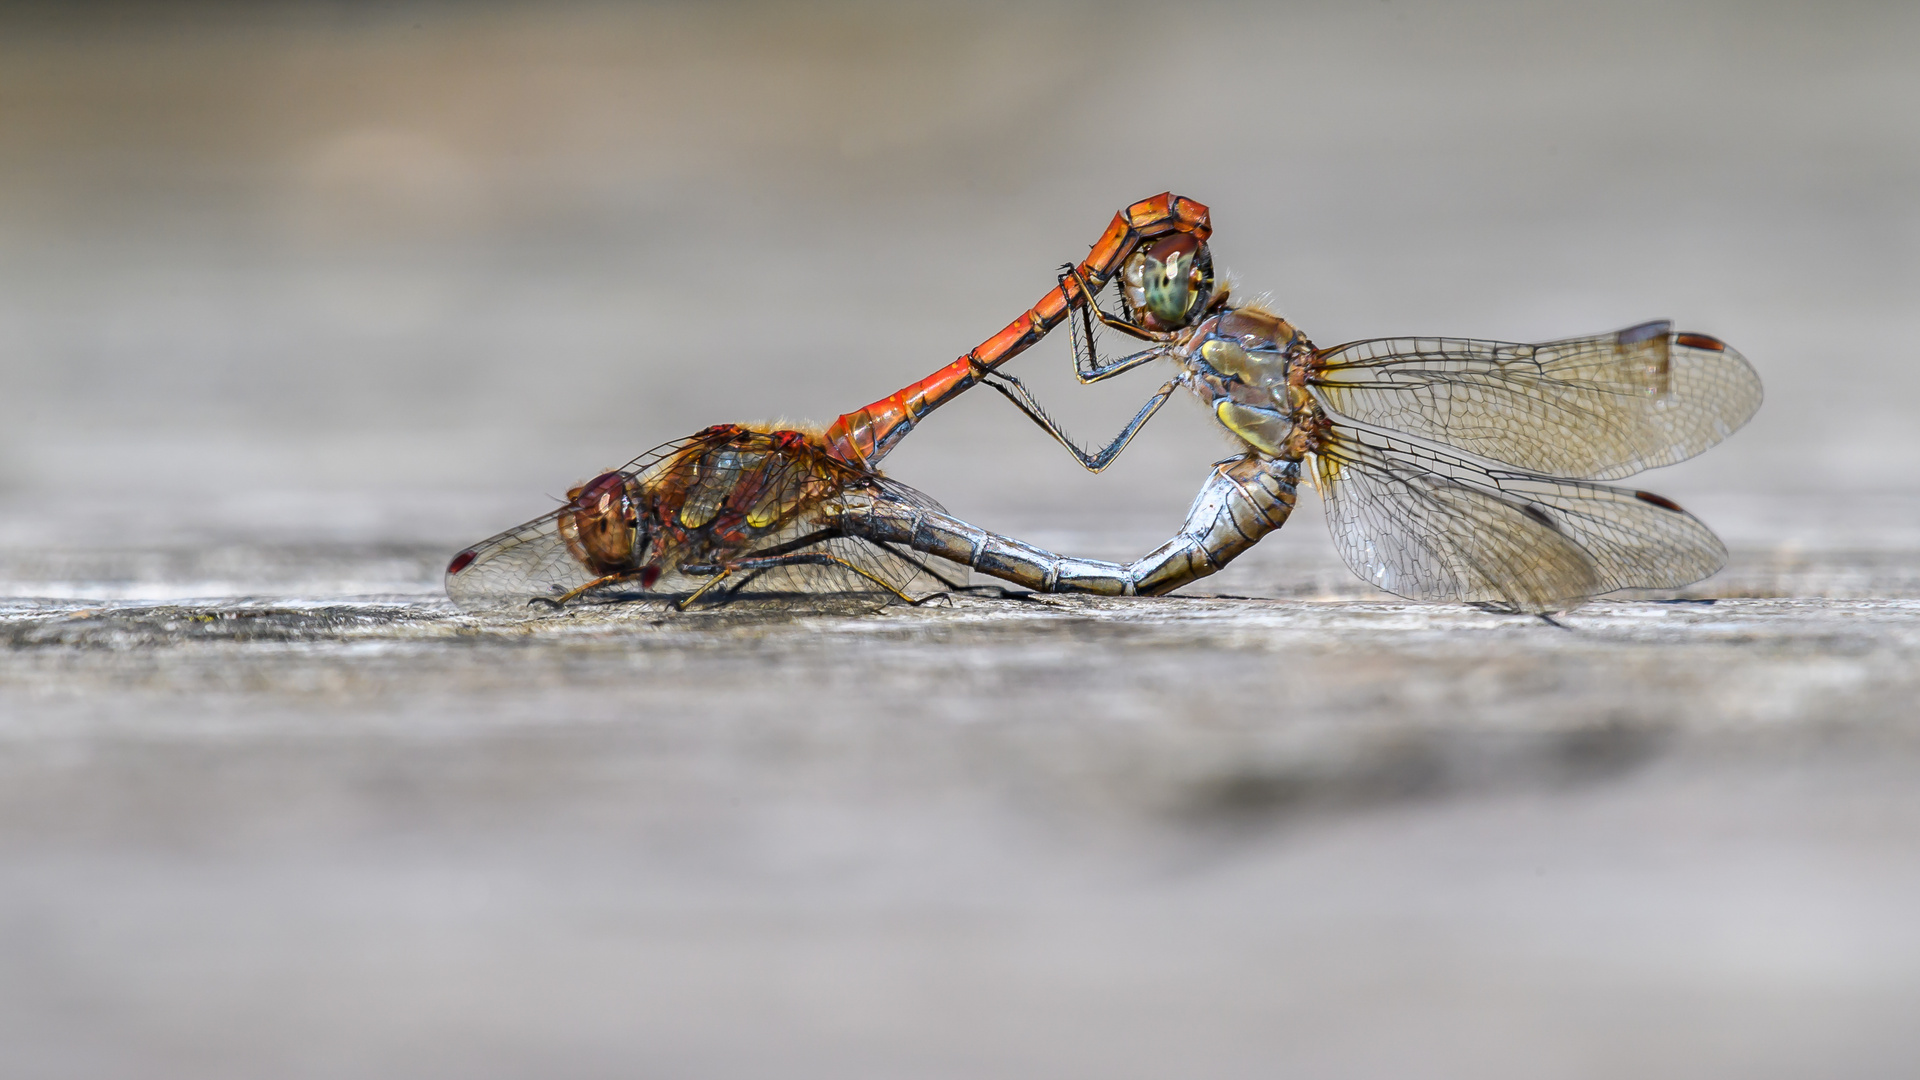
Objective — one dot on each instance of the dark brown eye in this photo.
(599, 524)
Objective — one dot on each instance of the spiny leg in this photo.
(1088, 369)
(812, 558)
(1544, 616)
(1088, 372)
(1092, 310)
(917, 564)
(573, 594)
(1086, 354)
(942, 594)
(1013, 390)
(734, 592)
(720, 575)
(794, 544)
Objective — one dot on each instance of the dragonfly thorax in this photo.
(1247, 364)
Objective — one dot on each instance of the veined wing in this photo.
(831, 567)
(927, 573)
(507, 570)
(1596, 408)
(804, 562)
(1431, 526)
(534, 559)
(755, 510)
(854, 564)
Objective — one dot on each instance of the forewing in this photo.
(1597, 408)
(806, 558)
(792, 503)
(507, 570)
(893, 493)
(852, 564)
(923, 573)
(1431, 526)
(838, 566)
(756, 511)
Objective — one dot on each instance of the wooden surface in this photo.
(324, 835)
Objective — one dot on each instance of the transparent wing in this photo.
(507, 570)
(1431, 526)
(894, 493)
(830, 567)
(762, 509)
(920, 573)
(533, 559)
(752, 509)
(1596, 408)
(850, 564)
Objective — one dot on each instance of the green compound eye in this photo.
(1168, 291)
(1170, 282)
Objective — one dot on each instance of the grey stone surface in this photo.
(296, 301)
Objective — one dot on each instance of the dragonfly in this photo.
(1452, 469)
(744, 510)
(760, 511)
(737, 512)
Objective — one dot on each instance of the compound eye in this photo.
(600, 524)
(1167, 286)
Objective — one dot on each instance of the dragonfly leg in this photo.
(1013, 390)
(734, 592)
(1103, 372)
(917, 564)
(756, 564)
(807, 558)
(952, 587)
(574, 594)
(1092, 310)
(921, 565)
(1087, 366)
(721, 575)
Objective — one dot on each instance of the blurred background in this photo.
(297, 299)
(404, 271)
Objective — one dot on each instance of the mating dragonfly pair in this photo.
(1452, 469)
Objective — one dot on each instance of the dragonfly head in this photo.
(1169, 284)
(601, 524)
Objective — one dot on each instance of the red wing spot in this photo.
(1660, 501)
(1701, 341)
(649, 575)
(460, 562)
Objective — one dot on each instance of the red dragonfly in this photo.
(736, 512)
(1452, 469)
(786, 511)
